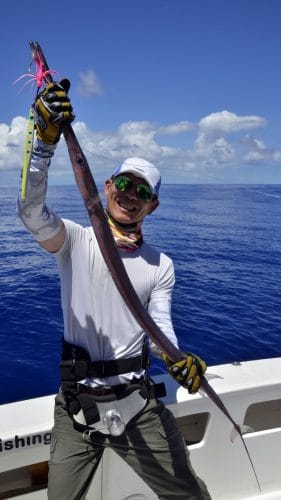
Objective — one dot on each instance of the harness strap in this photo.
(78, 360)
(90, 401)
(90, 410)
(76, 365)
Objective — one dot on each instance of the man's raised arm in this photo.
(52, 108)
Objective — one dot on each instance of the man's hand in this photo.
(52, 108)
(188, 371)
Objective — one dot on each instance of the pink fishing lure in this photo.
(40, 76)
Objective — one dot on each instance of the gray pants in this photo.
(152, 445)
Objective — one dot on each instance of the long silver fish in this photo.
(95, 209)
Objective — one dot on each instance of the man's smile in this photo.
(128, 207)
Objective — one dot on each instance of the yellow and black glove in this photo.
(52, 108)
(188, 371)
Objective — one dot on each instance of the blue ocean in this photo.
(225, 241)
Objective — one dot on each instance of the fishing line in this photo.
(169, 169)
(184, 171)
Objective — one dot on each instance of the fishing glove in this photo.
(188, 371)
(52, 108)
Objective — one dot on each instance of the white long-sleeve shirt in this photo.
(95, 315)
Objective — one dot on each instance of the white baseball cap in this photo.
(141, 168)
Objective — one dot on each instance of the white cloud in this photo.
(4, 130)
(89, 84)
(253, 143)
(227, 122)
(11, 143)
(254, 156)
(129, 139)
(212, 150)
(176, 128)
(259, 144)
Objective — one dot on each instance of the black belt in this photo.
(76, 362)
(109, 368)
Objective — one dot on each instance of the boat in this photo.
(250, 390)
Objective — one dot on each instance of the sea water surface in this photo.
(225, 241)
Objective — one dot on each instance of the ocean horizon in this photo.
(224, 240)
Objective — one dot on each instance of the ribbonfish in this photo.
(109, 250)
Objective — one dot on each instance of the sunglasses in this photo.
(124, 183)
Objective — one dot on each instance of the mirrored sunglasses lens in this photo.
(144, 192)
(122, 182)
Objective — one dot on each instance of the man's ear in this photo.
(155, 203)
(107, 185)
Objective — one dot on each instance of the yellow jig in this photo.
(27, 153)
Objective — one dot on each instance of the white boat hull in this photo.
(251, 392)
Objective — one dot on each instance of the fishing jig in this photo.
(40, 77)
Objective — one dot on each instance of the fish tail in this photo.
(239, 430)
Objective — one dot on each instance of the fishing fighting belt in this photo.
(106, 409)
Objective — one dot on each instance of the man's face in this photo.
(127, 207)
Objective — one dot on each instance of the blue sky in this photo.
(191, 85)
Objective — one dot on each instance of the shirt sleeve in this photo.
(41, 221)
(159, 306)
(74, 236)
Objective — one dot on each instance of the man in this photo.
(106, 398)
